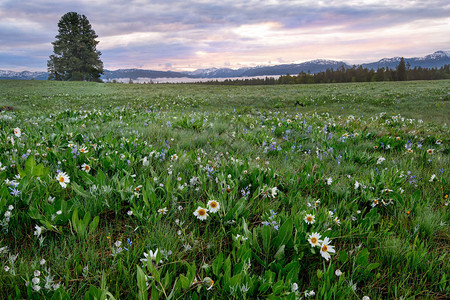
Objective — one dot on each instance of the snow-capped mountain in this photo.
(217, 73)
(5, 74)
(434, 60)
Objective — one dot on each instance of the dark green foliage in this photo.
(401, 70)
(75, 55)
(342, 74)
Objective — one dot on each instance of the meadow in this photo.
(183, 191)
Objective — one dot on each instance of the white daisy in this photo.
(17, 132)
(310, 219)
(326, 249)
(213, 206)
(63, 179)
(201, 213)
(85, 167)
(83, 149)
(314, 239)
(380, 160)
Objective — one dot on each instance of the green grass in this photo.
(341, 156)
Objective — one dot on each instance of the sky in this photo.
(188, 35)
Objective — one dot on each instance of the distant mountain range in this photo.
(435, 60)
(24, 75)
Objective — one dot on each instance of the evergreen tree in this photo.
(401, 70)
(75, 55)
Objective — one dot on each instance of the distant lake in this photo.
(183, 79)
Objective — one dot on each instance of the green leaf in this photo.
(155, 294)
(93, 225)
(79, 190)
(30, 164)
(184, 282)
(266, 233)
(363, 257)
(34, 213)
(142, 286)
(217, 264)
(280, 253)
(372, 266)
(284, 233)
(343, 256)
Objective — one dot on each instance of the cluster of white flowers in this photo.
(325, 248)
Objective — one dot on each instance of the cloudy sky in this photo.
(188, 34)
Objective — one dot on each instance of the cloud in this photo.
(196, 33)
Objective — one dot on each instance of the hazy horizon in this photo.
(189, 35)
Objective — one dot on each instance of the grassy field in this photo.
(333, 191)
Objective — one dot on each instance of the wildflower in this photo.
(337, 221)
(366, 298)
(208, 282)
(15, 192)
(174, 157)
(145, 162)
(329, 181)
(6, 268)
(338, 272)
(309, 293)
(213, 206)
(85, 167)
(314, 239)
(152, 255)
(310, 219)
(201, 213)
(438, 142)
(273, 191)
(42, 262)
(375, 202)
(63, 179)
(83, 149)
(326, 249)
(38, 230)
(35, 280)
(409, 150)
(17, 132)
(162, 211)
(380, 160)
(432, 178)
(430, 151)
(37, 273)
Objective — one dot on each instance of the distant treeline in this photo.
(354, 74)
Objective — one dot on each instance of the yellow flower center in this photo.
(87, 167)
(213, 204)
(314, 240)
(201, 212)
(309, 219)
(61, 179)
(324, 248)
(81, 150)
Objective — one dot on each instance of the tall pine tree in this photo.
(401, 70)
(75, 54)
